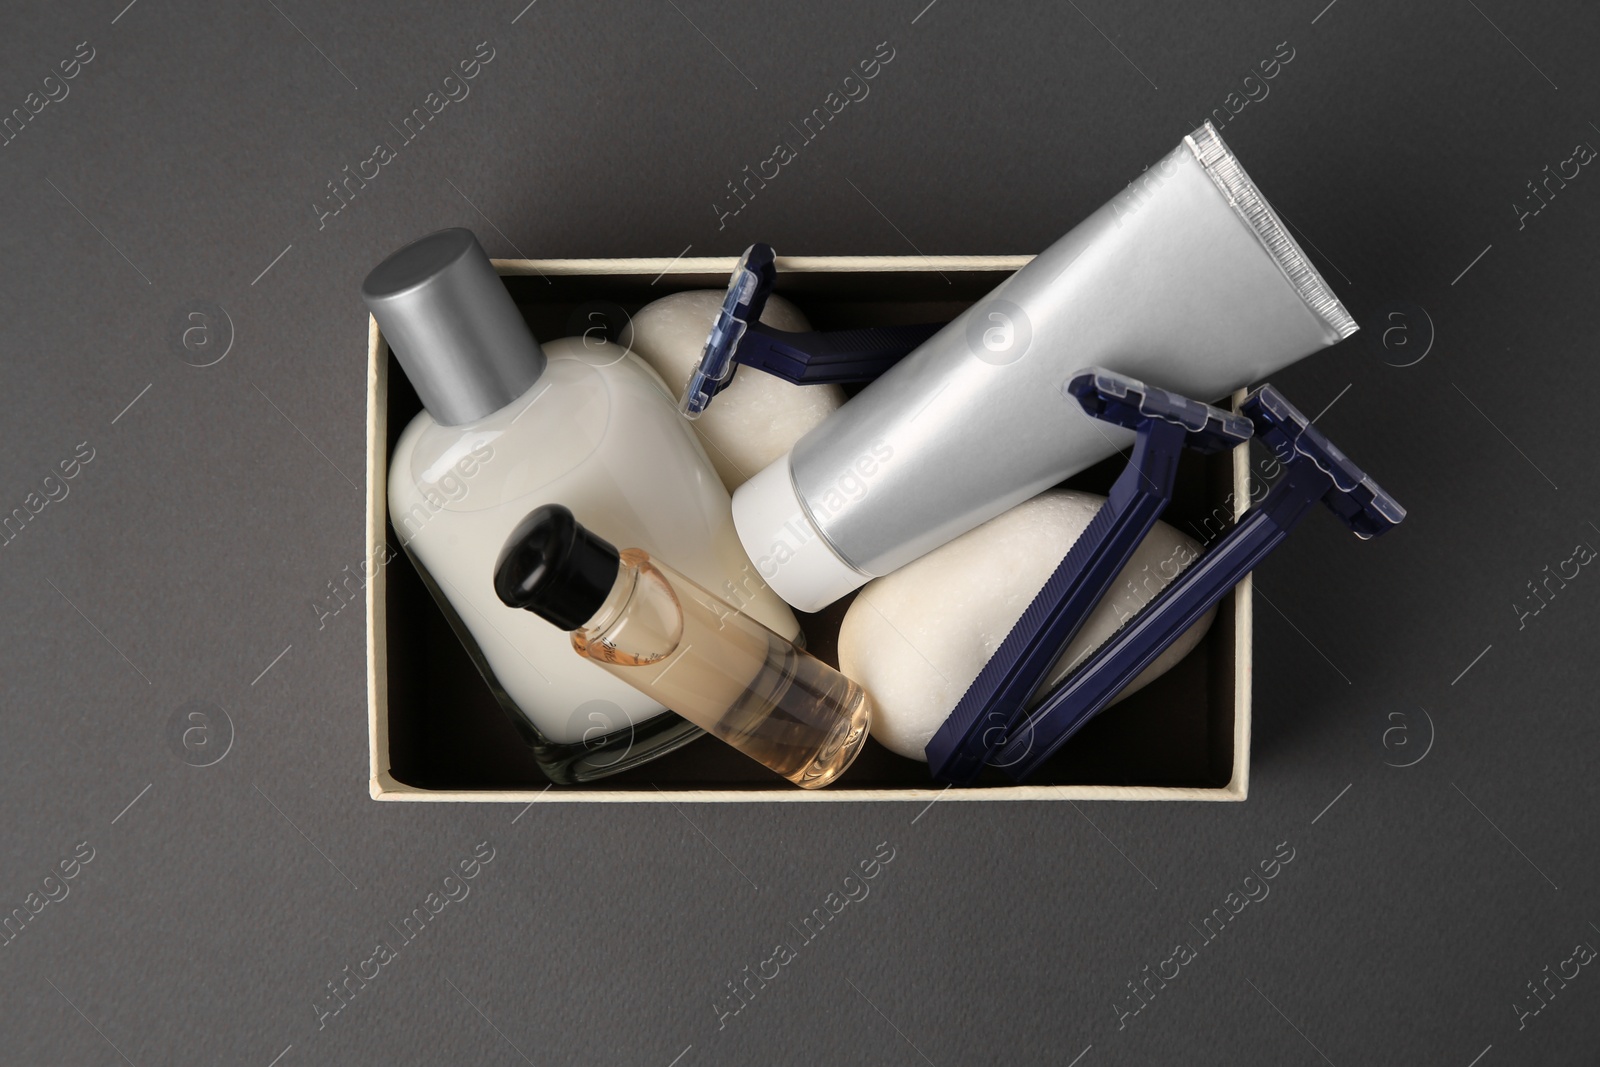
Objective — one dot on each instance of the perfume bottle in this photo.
(657, 630)
(509, 424)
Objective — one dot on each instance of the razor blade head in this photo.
(1360, 502)
(748, 288)
(1124, 401)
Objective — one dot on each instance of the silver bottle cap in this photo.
(453, 326)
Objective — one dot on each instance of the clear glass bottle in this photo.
(508, 424)
(675, 641)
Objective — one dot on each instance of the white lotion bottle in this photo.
(509, 425)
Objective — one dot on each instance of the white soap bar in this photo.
(917, 638)
(759, 415)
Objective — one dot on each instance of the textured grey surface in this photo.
(181, 170)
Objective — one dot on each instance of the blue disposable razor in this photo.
(1167, 424)
(1313, 470)
(816, 358)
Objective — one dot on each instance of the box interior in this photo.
(446, 731)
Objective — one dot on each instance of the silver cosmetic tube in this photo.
(1187, 279)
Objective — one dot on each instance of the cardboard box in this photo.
(437, 734)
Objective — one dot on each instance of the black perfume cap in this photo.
(554, 567)
(453, 326)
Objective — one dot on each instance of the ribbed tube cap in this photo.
(453, 326)
(787, 547)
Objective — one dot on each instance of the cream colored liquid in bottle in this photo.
(689, 649)
(508, 424)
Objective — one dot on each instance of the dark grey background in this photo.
(184, 560)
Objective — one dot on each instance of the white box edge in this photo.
(383, 786)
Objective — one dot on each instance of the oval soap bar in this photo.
(759, 415)
(917, 638)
